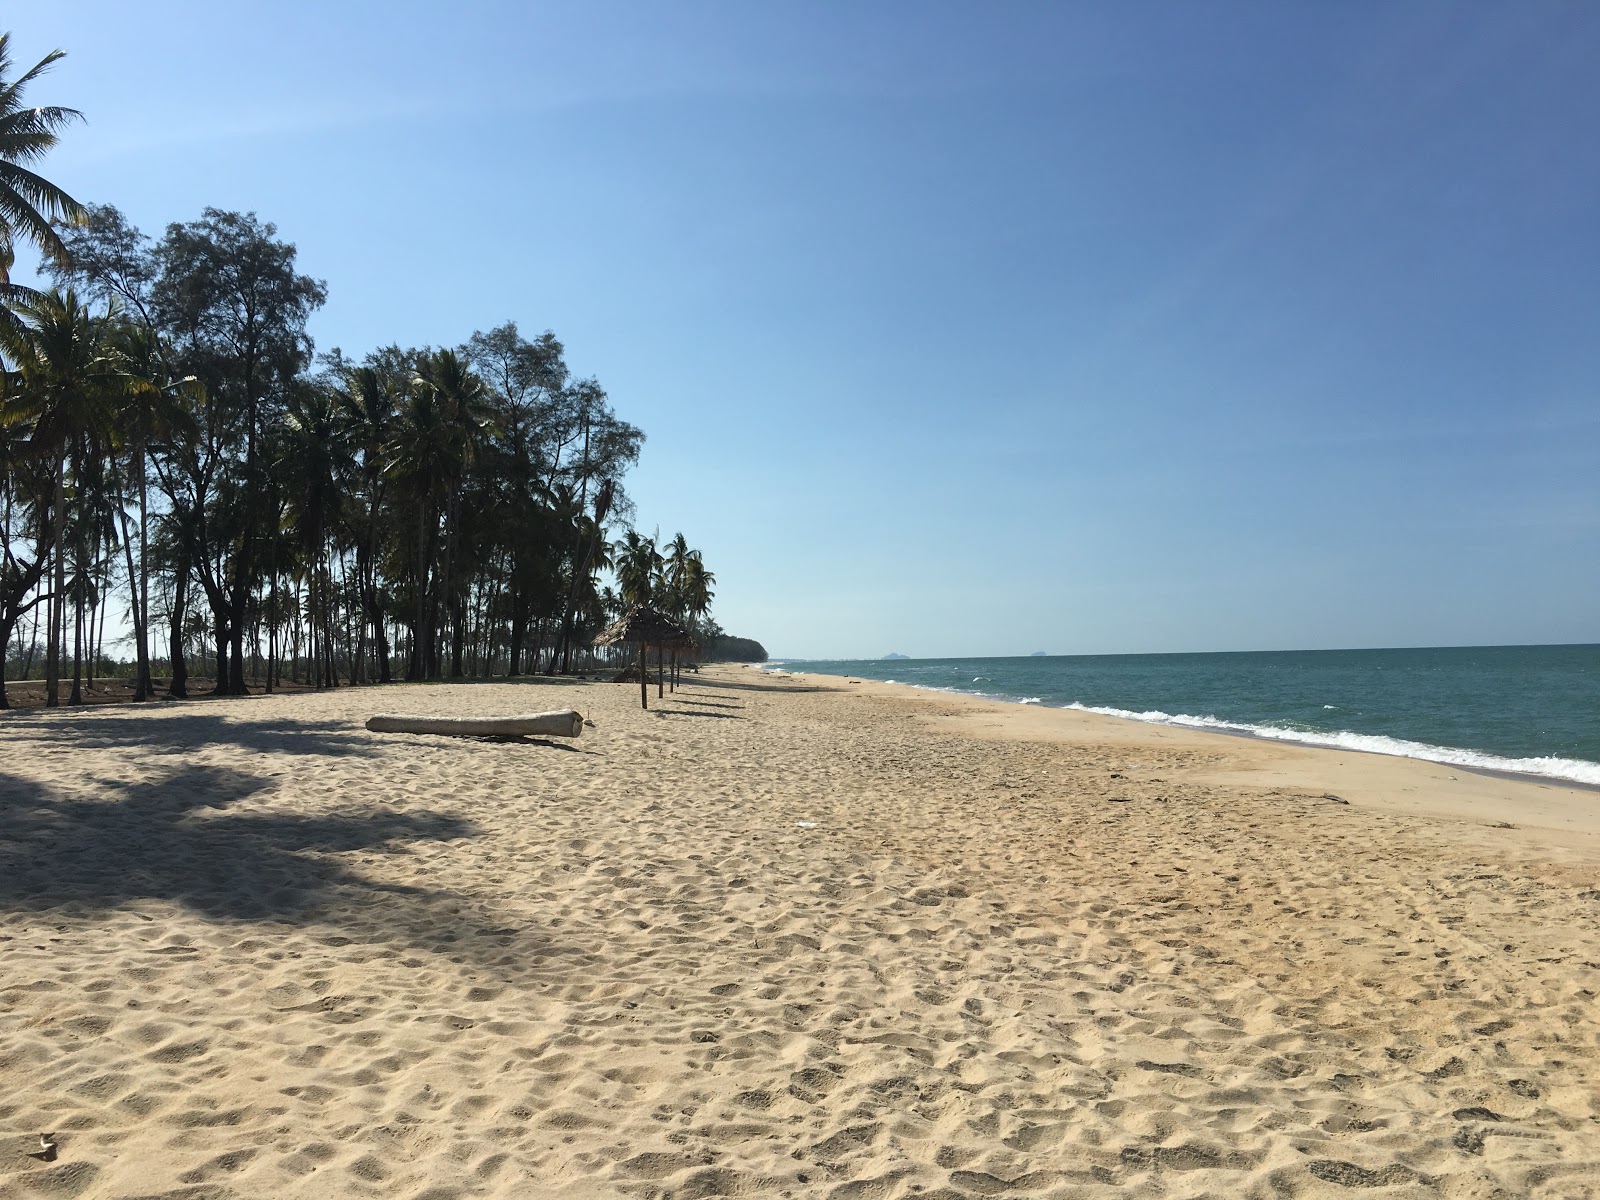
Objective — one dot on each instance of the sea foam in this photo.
(1572, 769)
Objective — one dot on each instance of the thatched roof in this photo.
(641, 623)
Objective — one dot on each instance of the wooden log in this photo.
(563, 723)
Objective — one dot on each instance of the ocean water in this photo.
(1529, 709)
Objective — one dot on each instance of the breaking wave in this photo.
(1573, 769)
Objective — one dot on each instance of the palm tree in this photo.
(70, 373)
(591, 539)
(29, 203)
(434, 442)
(25, 526)
(317, 466)
(697, 586)
(676, 567)
(368, 401)
(414, 461)
(461, 404)
(157, 407)
(638, 567)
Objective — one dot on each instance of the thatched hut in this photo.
(648, 627)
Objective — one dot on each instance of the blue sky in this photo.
(963, 329)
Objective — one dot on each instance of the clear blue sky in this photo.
(963, 329)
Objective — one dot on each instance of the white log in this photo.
(564, 723)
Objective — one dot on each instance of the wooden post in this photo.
(661, 687)
(644, 680)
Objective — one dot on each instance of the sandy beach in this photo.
(779, 936)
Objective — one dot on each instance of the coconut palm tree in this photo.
(70, 373)
(25, 525)
(638, 566)
(369, 401)
(415, 462)
(156, 408)
(435, 440)
(460, 403)
(29, 203)
(697, 586)
(591, 555)
(675, 567)
(317, 466)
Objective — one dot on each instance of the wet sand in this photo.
(780, 937)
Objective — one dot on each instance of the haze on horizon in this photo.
(956, 331)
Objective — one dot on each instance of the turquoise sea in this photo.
(1528, 709)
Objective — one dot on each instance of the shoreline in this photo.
(1560, 781)
(1389, 780)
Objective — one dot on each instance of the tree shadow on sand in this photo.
(522, 739)
(187, 732)
(173, 838)
(762, 687)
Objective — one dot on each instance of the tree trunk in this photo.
(76, 696)
(330, 647)
(219, 630)
(361, 619)
(519, 634)
(294, 633)
(272, 632)
(178, 689)
(145, 687)
(52, 659)
(8, 622)
(538, 646)
(96, 650)
(447, 602)
(458, 635)
(272, 612)
(382, 634)
(33, 643)
(313, 632)
(236, 625)
(138, 611)
(417, 665)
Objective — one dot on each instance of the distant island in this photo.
(892, 657)
(1040, 654)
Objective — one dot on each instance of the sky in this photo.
(961, 329)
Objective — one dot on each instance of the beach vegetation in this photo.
(177, 462)
(65, 371)
(30, 204)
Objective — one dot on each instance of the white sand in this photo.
(248, 949)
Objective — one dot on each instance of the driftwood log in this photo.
(564, 723)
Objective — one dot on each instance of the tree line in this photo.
(173, 449)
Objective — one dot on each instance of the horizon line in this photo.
(1163, 653)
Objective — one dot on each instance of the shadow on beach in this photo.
(758, 687)
(185, 733)
(173, 838)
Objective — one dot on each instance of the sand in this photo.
(780, 937)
